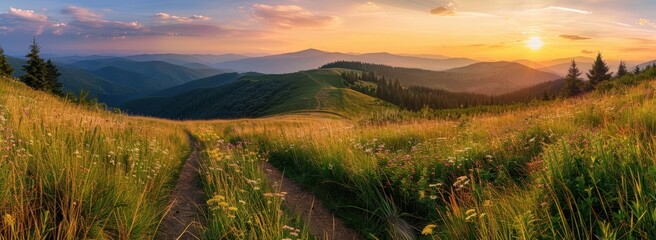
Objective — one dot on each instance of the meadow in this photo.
(579, 168)
(70, 171)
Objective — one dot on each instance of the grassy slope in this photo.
(70, 172)
(75, 172)
(575, 169)
(256, 96)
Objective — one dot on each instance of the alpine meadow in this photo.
(340, 120)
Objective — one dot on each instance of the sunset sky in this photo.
(482, 29)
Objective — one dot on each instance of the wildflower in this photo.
(8, 220)
(470, 211)
(470, 217)
(433, 197)
(428, 230)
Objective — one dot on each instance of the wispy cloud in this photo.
(573, 37)
(646, 22)
(166, 16)
(88, 23)
(443, 11)
(291, 16)
(587, 52)
(562, 9)
(17, 19)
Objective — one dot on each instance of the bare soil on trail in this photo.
(323, 224)
(184, 220)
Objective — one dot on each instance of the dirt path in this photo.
(184, 218)
(323, 224)
(318, 93)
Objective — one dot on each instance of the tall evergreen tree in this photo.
(622, 70)
(573, 83)
(636, 71)
(52, 79)
(5, 68)
(35, 68)
(599, 72)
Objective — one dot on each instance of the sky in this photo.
(480, 29)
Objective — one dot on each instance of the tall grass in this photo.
(242, 203)
(74, 172)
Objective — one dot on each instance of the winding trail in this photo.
(323, 224)
(184, 220)
(316, 96)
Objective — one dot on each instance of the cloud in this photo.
(587, 52)
(186, 29)
(82, 14)
(21, 20)
(165, 17)
(291, 16)
(368, 7)
(443, 11)
(27, 15)
(646, 22)
(88, 23)
(573, 37)
(562, 9)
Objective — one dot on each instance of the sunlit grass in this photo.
(487, 175)
(73, 172)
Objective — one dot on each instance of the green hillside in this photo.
(114, 81)
(490, 78)
(209, 82)
(264, 95)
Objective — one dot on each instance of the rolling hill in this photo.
(312, 58)
(114, 81)
(209, 82)
(490, 78)
(263, 95)
(644, 65)
(186, 59)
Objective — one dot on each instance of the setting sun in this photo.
(534, 43)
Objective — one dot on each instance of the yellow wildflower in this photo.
(428, 230)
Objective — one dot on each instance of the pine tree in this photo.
(622, 70)
(35, 69)
(5, 68)
(636, 71)
(572, 82)
(52, 79)
(599, 72)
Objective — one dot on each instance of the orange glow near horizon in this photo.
(490, 30)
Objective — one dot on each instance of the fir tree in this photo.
(622, 70)
(572, 82)
(636, 71)
(52, 79)
(599, 72)
(5, 68)
(35, 69)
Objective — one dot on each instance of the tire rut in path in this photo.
(323, 224)
(184, 220)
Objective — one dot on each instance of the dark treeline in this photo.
(415, 98)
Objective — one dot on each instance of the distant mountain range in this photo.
(116, 80)
(313, 58)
